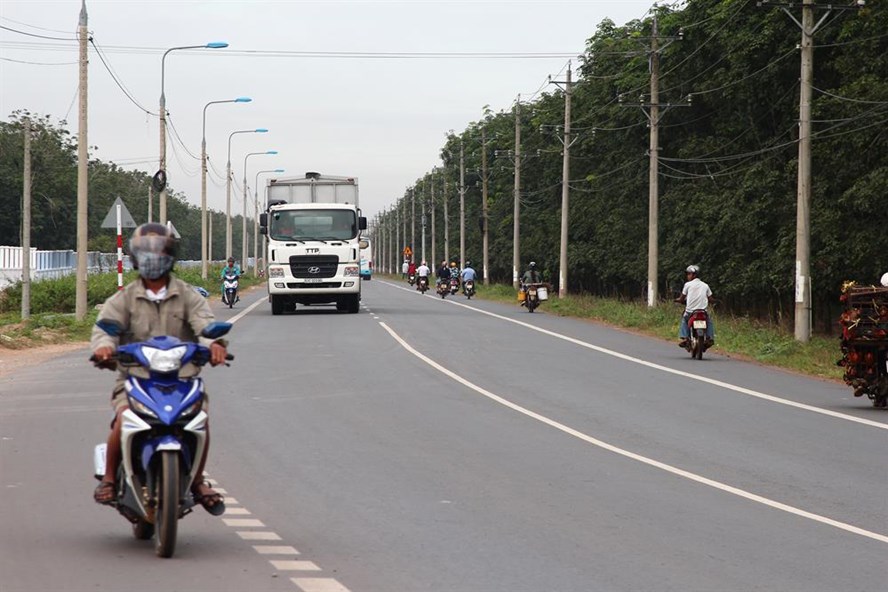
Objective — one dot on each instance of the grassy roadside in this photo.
(52, 307)
(735, 336)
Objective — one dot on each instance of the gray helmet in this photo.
(693, 269)
(533, 264)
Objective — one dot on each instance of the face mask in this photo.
(152, 266)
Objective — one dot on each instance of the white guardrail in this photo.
(55, 264)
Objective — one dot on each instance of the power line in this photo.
(117, 80)
(36, 35)
(39, 63)
(5, 18)
(848, 99)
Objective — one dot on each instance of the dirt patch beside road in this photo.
(15, 359)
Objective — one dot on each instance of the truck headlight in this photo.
(275, 272)
(352, 271)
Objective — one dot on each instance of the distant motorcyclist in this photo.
(443, 273)
(411, 269)
(422, 271)
(231, 269)
(467, 275)
(695, 295)
(531, 276)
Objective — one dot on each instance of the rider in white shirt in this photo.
(422, 271)
(695, 295)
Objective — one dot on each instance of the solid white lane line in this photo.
(712, 381)
(245, 312)
(637, 457)
(319, 585)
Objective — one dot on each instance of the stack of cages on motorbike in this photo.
(698, 322)
(864, 342)
(163, 435)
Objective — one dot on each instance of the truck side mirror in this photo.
(362, 223)
(263, 219)
(263, 230)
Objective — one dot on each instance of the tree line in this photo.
(727, 163)
(54, 194)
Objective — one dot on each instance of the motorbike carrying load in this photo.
(864, 341)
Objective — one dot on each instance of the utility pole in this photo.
(654, 117)
(26, 222)
(462, 204)
(565, 188)
(484, 234)
(398, 247)
(80, 290)
(422, 206)
(150, 202)
(516, 249)
(803, 282)
(446, 221)
(209, 237)
(412, 221)
(434, 235)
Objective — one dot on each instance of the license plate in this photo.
(699, 324)
(313, 280)
(533, 292)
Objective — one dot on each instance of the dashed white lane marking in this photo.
(637, 457)
(275, 550)
(236, 511)
(712, 381)
(319, 585)
(243, 522)
(294, 565)
(249, 535)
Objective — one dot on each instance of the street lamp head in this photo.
(260, 130)
(271, 152)
(216, 45)
(243, 100)
(278, 171)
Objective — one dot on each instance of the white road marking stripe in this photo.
(637, 457)
(294, 565)
(242, 522)
(249, 535)
(237, 511)
(712, 381)
(319, 585)
(275, 550)
(245, 312)
(230, 501)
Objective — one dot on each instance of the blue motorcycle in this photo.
(163, 433)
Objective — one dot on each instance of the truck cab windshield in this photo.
(305, 225)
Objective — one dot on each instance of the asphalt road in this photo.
(429, 445)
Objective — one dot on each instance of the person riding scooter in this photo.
(231, 269)
(695, 295)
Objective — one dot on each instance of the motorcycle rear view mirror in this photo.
(216, 329)
(112, 328)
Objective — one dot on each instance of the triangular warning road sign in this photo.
(126, 219)
(173, 229)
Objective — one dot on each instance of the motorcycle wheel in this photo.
(143, 530)
(530, 305)
(697, 351)
(167, 512)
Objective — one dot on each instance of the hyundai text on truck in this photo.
(313, 229)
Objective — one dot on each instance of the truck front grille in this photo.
(313, 266)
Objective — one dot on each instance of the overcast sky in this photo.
(381, 119)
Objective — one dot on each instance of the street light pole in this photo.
(256, 218)
(203, 183)
(244, 220)
(260, 130)
(163, 192)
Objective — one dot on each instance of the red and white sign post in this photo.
(119, 247)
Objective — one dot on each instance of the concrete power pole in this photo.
(446, 221)
(516, 248)
(422, 207)
(82, 173)
(484, 237)
(432, 204)
(803, 282)
(565, 188)
(462, 204)
(26, 222)
(413, 222)
(654, 116)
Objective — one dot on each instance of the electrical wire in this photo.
(748, 76)
(39, 63)
(175, 135)
(36, 35)
(848, 99)
(117, 81)
(6, 18)
(864, 40)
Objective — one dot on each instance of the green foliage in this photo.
(728, 163)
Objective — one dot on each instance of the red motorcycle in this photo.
(697, 342)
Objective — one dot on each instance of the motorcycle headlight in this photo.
(192, 409)
(164, 360)
(140, 407)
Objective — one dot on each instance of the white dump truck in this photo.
(313, 229)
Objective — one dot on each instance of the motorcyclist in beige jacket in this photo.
(157, 303)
